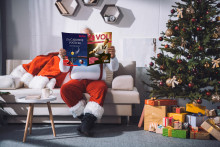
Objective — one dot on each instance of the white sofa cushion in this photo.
(123, 82)
(10, 82)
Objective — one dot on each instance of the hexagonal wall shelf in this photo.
(110, 13)
(67, 7)
(90, 2)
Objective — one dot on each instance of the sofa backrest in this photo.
(125, 67)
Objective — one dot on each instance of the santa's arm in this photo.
(62, 67)
(113, 65)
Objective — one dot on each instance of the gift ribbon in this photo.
(210, 129)
(180, 12)
(173, 81)
(215, 63)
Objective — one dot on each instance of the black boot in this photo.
(88, 122)
(80, 118)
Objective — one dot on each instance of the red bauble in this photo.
(198, 28)
(189, 57)
(199, 101)
(166, 46)
(183, 29)
(151, 64)
(176, 28)
(200, 48)
(159, 55)
(172, 11)
(161, 38)
(208, 93)
(207, 12)
(190, 85)
(179, 61)
(193, 20)
(161, 83)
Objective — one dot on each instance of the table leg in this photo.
(51, 118)
(27, 123)
(31, 118)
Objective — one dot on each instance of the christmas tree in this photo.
(189, 59)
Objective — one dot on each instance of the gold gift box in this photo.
(195, 109)
(153, 114)
(209, 126)
(178, 116)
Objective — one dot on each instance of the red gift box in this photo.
(161, 102)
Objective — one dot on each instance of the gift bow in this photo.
(153, 98)
(173, 81)
(180, 12)
(215, 63)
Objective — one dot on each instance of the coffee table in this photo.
(31, 110)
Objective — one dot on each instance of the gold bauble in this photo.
(180, 81)
(217, 18)
(169, 32)
(215, 36)
(168, 82)
(172, 45)
(190, 10)
(72, 53)
(206, 65)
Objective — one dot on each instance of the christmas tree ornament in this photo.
(193, 20)
(217, 18)
(190, 85)
(189, 56)
(215, 63)
(215, 36)
(190, 10)
(183, 29)
(200, 48)
(161, 83)
(172, 11)
(166, 46)
(171, 82)
(199, 101)
(159, 55)
(198, 28)
(151, 64)
(161, 38)
(194, 70)
(206, 65)
(179, 61)
(162, 67)
(176, 28)
(172, 45)
(179, 12)
(180, 81)
(169, 32)
(216, 98)
(208, 93)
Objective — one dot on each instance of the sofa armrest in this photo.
(123, 82)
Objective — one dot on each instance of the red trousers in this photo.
(72, 91)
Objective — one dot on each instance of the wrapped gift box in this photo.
(217, 120)
(203, 135)
(167, 121)
(210, 112)
(177, 125)
(160, 102)
(153, 114)
(195, 109)
(195, 120)
(179, 109)
(177, 116)
(179, 133)
(159, 129)
(211, 128)
(167, 131)
(218, 112)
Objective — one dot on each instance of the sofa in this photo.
(121, 96)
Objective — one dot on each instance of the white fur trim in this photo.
(77, 110)
(51, 84)
(26, 78)
(95, 109)
(38, 82)
(19, 71)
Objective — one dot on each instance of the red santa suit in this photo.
(86, 79)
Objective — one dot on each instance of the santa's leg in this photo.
(94, 108)
(72, 94)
